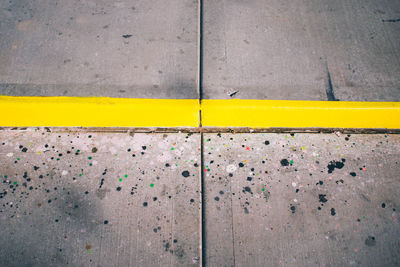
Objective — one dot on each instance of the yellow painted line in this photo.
(98, 112)
(300, 114)
(128, 112)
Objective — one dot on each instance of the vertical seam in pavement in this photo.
(200, 94)
(233, 233)
(202, 192)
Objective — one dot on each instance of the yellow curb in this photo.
(300, 114)
(98, 112)
(17, 111)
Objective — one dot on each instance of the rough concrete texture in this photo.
(98, 199)
(99, 48)
(302, 200)
(255, 49)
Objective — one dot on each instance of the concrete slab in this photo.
(302, 200)
(144, 49)
(308, 50)
(99, 199)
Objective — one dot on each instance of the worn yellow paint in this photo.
(300, 114)
(98, 112)
(128, 112)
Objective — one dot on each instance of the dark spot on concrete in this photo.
(267, 194)
(391, 20)
(322, 198)
(293, 209)
(118, 188)
(266, 143)
(105, 222)
(353, 174)
(333, 212)
(185, 174)
(127, 36)
(249, 178)
(370, 241)
(35, 168)
(246, 211)
(24, 149)
(335, 164)
(284, 162)
(383, 205)
(247, 189)
(144, 204)
(216, 198)
(94, 150)
(167, 245)
(241, 165)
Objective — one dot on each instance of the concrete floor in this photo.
(283, 50)
(99, 199)
(108, 199)
(120, 199)
(142, 49)
(253, 49)
(302, 200)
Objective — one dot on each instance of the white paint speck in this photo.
(64, 172)
(231, 168)
(294, 184)
(10, 155)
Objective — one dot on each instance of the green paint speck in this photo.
(18, 159)
(151, 185)
(172, 148)
(89, 157)
(90, 164)
(262, 189)
(126, 175)
(16, 183)
(89, 250)
(120, 179)
(80, 174)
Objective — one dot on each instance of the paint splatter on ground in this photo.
(94, 198)
(302, 199)
(78, 199)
